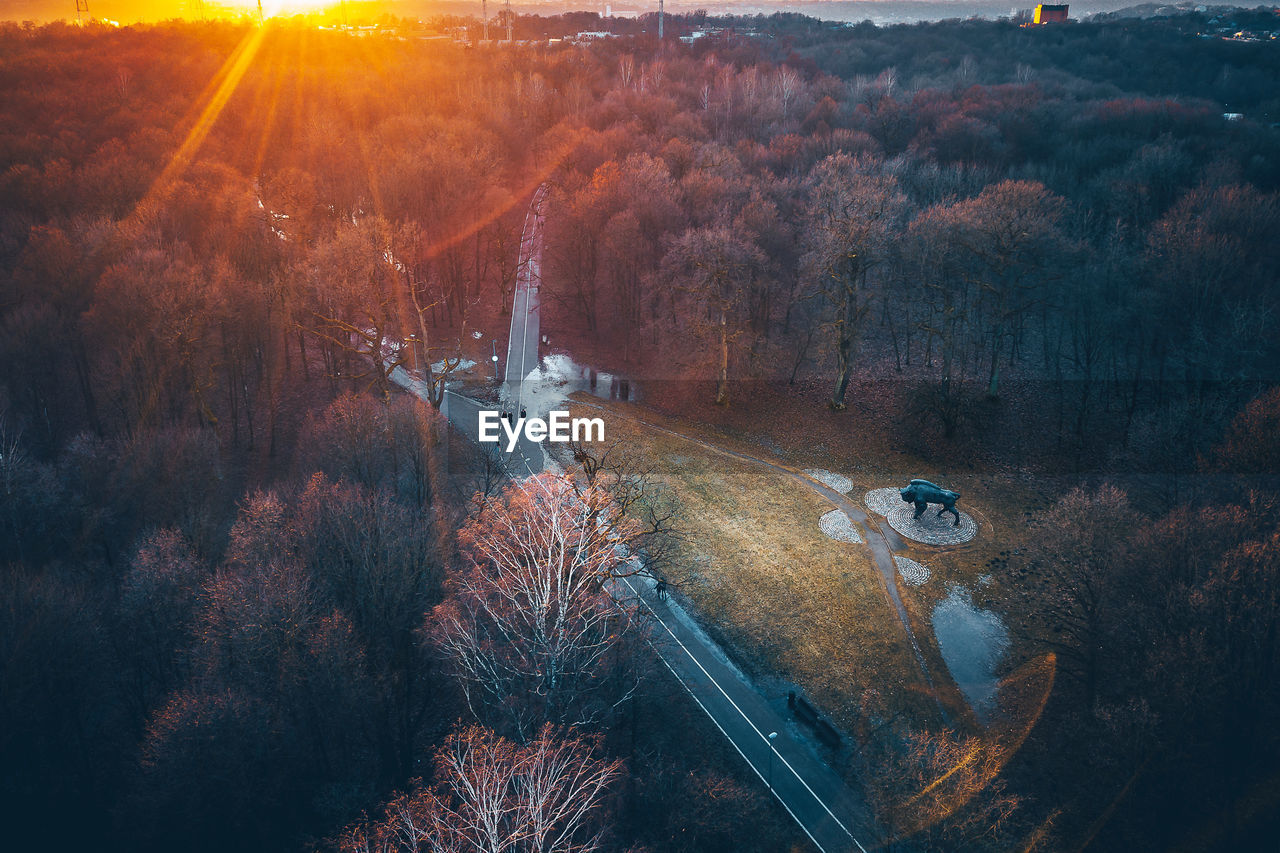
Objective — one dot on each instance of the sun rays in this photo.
(278, 67)
(215, 97)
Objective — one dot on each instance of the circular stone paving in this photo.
(929, 528)
(883, 501)
(838, 526)
(839, 482)
(912, 572)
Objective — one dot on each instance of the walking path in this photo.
(522, 343)
(880, 542)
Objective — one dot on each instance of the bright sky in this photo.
(128, 11)
(292, 7)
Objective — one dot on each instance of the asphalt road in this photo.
(522, 345)
(820, 802)
(812, 793)
(522, 352)
(464, 413)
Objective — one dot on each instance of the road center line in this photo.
(749, 721)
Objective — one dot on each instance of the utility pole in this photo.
(484, 13)
(508, 22)
(260, 17)
(660, 16)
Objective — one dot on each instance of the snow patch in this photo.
(912, 572)
(839, 527)
(465, 364)
(840, 483)
(883, 501)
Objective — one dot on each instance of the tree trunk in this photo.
(993, 379)
(722, 387)
(844, 347)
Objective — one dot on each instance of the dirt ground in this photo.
(790, 602)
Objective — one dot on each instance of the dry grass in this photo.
(788, 600)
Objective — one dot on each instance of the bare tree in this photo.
(946, 300)
(494, 796)
(851, 217)
(1003, 241)
(156, 612)
(945, 791)
(789, 85)
(412, 252)
(355, 287)
(647, 509)
(532, 630)
(715, 266)
(1078, 562)
(371, 303)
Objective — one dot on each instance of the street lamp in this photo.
(772, 737)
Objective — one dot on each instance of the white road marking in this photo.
(754, 728)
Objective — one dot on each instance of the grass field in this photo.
(789, 602)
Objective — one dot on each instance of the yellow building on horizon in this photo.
(1046, 14)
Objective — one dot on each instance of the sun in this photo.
(285, 8)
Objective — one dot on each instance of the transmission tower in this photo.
(82, 11)
(659, 23)
(508, 21)
(484, 13)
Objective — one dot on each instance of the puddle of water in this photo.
(557, 376)
(972, 642)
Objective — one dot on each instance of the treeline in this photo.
(924, 226)
(711, 221)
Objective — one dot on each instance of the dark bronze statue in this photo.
(922, 493)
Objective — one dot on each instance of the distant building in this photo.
(1046, 14)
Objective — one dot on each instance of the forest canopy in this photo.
(271, 590)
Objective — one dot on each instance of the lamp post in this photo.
(772, 737)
